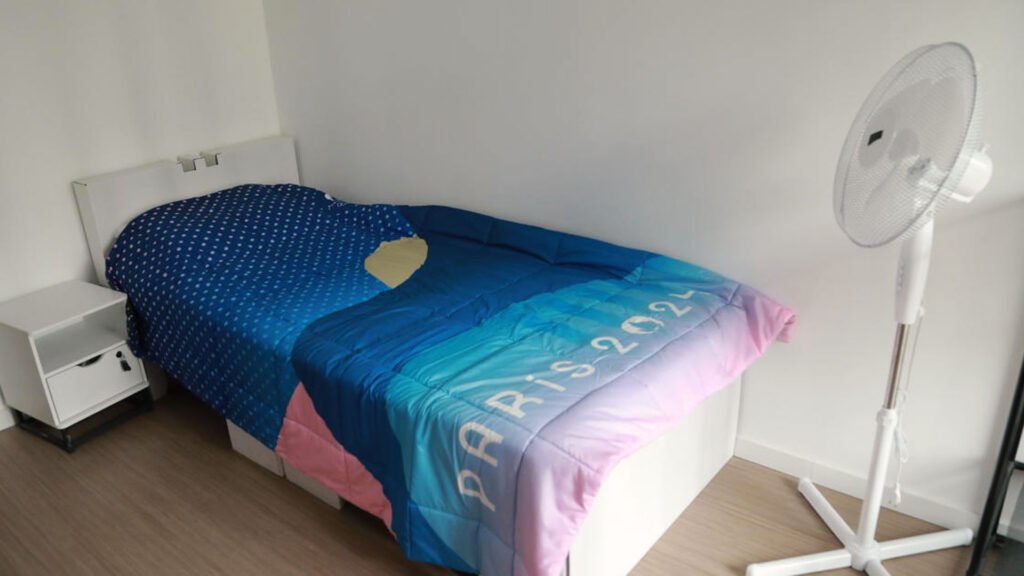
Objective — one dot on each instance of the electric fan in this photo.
(914, 144)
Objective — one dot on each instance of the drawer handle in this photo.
(125, 367)
(90, 361)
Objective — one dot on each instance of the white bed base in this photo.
(254, 450)
(640, 499)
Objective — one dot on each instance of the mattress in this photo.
(468, 380)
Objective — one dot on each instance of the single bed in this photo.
(472, 382)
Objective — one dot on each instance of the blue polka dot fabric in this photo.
(221, 286)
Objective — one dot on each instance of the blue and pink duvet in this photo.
(475, 407)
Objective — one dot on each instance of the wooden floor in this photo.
(164, 494)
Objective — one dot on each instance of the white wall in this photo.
(708, 131)
(90, 87)
(808, 406)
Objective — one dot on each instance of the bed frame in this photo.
(639, 500)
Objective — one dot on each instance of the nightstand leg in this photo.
(68, 442)
(141, 401)
(59, 437)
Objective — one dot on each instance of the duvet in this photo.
(468, 380)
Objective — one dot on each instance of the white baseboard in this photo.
(913, 504)
(6, 418)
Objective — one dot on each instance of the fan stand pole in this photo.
(861, 551)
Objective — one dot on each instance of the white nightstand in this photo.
(64, 358)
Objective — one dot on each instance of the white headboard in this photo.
(107, 203)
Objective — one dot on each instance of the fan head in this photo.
(911, 145)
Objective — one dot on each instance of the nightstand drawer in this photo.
(98, 379)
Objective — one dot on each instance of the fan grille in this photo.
(909, 145)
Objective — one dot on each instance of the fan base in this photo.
(866, 559)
